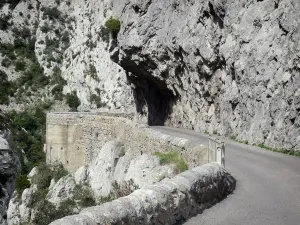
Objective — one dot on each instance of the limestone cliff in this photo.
(9, 166)
(225, 66)
(222, 66)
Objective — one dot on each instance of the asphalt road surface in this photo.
(267, 191)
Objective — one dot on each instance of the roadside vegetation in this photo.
(280, 150)
(172, 157)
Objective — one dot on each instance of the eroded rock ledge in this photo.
(228, 67)
(168, 202)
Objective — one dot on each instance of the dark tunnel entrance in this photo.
(152, 93)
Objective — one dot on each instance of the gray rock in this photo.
(229, 67)
(170, 201)
(9, 167)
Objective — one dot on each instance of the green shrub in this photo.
(51, 13)
(72, 100)
(21, 183)
(46, 28)
(46, 213)
(59, 172)
(65, 38)
(83, 196)
(5, 88)
(113, 26)
(96, 99)
(4, 24)
(44, 176)
(23, 33)
(5, 62)
(20, 66)
(172, 157)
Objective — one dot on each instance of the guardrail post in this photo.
(216, 151)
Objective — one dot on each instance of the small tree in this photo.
(113, 25)
(72, 100)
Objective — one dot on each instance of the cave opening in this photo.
(152, 94)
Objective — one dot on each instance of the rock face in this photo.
(171, 201)
(9, 166)
(112, 174)
(113, 165)
(225, 66)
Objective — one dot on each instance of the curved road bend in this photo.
(267, 191)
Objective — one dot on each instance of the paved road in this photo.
(267, 191)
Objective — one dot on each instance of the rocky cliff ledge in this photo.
(9, 165)
(222, 66)
(225, 66)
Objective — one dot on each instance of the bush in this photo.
(172, 157)
(72, 100)
(65, 38)
(83, 196)
(46, 28)
(5, 88)
(4, 24)
(113, 26)
(46, 213)
(5, 62)
(52, 13)
(59, 172)
(44, 177)
(21, 183)
(96, 99)
(20, 66)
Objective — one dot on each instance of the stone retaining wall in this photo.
(75, 138)
(170, 201)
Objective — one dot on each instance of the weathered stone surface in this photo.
(87, 133)
(230, 67)
(62, 190)
(19, 211)
(9, 167)
(170, 201)
(102, 168)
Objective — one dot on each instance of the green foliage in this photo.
(72, 100)
(12, 3)
(65, 38)
(52, 43)
(113, 26)
(172, 157)
(23, 33)
(104, 34)
(44, 176)
(6, 62)
(93, 72)
(233, 137)
(46, 213)
(46, 28)
(96, 99)
(280, 150)
(83, 196)
(59, 83)
(51, 13)
(58, 172)
(7, 49)
(20, 66)
(4, 24)
(28, 129)
(22, 183)
(4, 88)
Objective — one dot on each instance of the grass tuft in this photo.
(172, 157)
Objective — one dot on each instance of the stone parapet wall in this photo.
(170, 201)
(74, 139)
